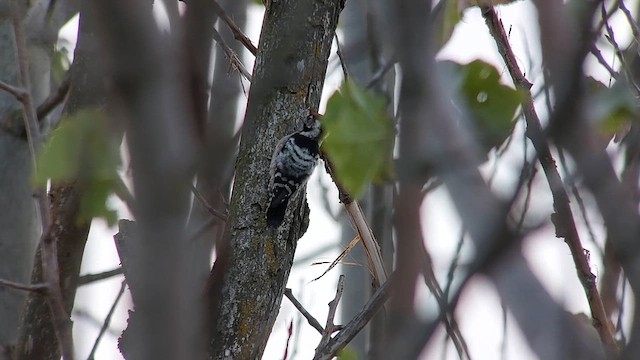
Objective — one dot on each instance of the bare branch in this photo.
(206, 205)
(333, 307)
(39, 288)
(231, 55)
(596, 52)
(312, 321)
(359, 221)
(89, 278)
(357, 323)
(563, 217)
(16, 92)
(612, 39)
(630, 20)
(237, 32)
(107, 320)
(55, 98)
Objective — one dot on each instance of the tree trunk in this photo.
(70, 235)
(248, 279)
(19, 227)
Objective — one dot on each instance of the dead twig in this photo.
(357, 323)
(55, 98)
(16, 92)
(359, 221)
(38, 288)
(237, 32)
(342, 255)
(333, 307)
(89, 278)
(231, 55)
(206, 204)
(107, 321)
(312, 321)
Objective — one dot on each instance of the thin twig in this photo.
(612, 39)
(343, 64)
(380, 74)
(237, 32)
(357, 323)
(107, 320)
(564, 221)
(333, 307)
(38, 288)
(449, 321)
(359, 221)
(312, 321)
(89, 278)
(205, 204)
(55, 98)
(630, 20)
(231, 55)
(16, 92)
(50, 269)
(596, 52)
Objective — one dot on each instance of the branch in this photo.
(312, 321)
(38, 288)
(50, 268)
(359, 221)
(357, 323)
(107, 320)
(89, 278)
(206, 205)
(16, 92)
(612, 39)
(333, 307)
(231, 55)
(55, 98)
(237, 32)
(596, 52)
(449, 320)
(563, 219)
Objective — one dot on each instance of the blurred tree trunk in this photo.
(19, 225)
(362, 55)
(247, 282)
(214, 178)
(70, 236)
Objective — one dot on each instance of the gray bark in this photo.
(155, 99)
(248, 279)
(19, 226)
(69, 234)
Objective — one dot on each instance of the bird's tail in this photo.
(275, 213)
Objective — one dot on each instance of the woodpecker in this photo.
(292, 163)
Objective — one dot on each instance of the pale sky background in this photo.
(479, 313)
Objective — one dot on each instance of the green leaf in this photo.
(359, 138)
(490, 104)
(83, 150)
(447, 16)
(347, 354)
(611, 110)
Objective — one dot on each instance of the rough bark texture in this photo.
(37, 339)
(249, 277)
(19, 231)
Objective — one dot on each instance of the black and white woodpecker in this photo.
(293, 161)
